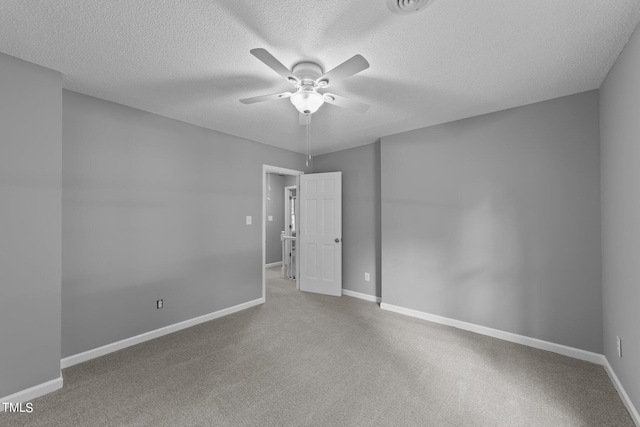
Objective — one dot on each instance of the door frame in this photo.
(283, 171)
(287, 220)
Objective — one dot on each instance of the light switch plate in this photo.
(270, 218)
(248, 219)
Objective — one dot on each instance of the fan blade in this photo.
(349, 104)
(347, 69)
(271, 62)
(263, 98)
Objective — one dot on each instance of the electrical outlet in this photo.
(159, 303)
(367, 277)
(248, 219)
(270, 218)
(619, 342)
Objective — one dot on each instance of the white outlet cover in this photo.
(270, 218)
(248, 219)
(367, 277)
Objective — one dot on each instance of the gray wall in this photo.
(275, 208)
(620, 145)
(30, 150)
(495, 220)
(361, 246)
(154, 208)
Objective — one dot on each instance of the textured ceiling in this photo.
(190, 60)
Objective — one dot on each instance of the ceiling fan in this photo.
(308, 78)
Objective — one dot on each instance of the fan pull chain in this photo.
(308, 138)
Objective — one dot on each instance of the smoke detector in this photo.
(407, 7)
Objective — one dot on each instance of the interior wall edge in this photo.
(30, 216)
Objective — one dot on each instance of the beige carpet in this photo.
(304, 359)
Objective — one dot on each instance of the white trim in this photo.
(273, 264)
(269, 169)
(287, 227)
(298, 248)
(128, 342)
(279, 170)
(576, 353)
(33, 392)
(359, 295)
(287, 207)
(623, 394)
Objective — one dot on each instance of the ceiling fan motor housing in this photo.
(307, 72)
(407, 7)
(307, 100)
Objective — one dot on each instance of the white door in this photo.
(320, 228)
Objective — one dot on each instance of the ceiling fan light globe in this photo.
(307, 101)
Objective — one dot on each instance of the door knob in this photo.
(337, 240)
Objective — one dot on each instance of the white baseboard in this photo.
(31, 393)
(365, 297)
(119, 345)
(576, 353)
(273, 264)
(496, 333)
(623, 394)
(588, 356)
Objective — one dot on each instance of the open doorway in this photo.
(274, 181)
